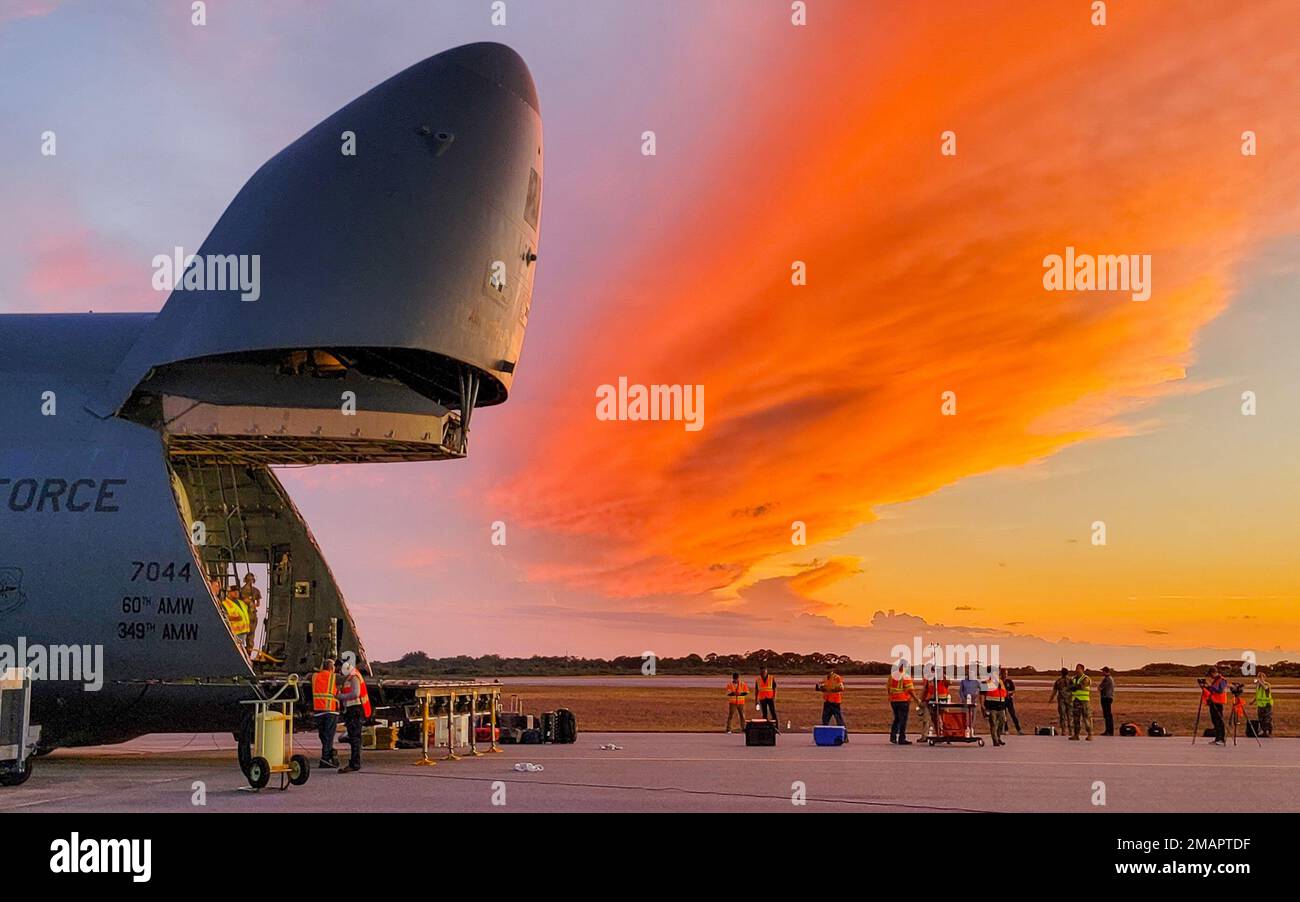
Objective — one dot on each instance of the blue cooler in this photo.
(829, 735)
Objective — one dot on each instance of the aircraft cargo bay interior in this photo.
(242, 518)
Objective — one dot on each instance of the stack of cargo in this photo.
(380, 736)
(515, 728)
(524, 729)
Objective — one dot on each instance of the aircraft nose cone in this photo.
(498, 64)
(406, 223)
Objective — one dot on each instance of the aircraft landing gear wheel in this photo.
(259, 773)
(930, 743)
(16, 778)
(299, 770)
(980, 742)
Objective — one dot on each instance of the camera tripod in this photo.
(1238, 709)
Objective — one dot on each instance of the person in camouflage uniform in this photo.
(1061, 692)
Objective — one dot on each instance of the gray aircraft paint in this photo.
(386, 252)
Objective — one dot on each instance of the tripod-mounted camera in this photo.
(1239, 709)
(1238, 706)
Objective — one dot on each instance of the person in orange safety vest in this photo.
(766, 687)
(902, 693)
(325, 710)
(937, 692)
(832, 690)
(1214, 690)
(995, 706)
(354, 698)
(737, 695)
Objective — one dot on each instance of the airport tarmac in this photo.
(692, 772)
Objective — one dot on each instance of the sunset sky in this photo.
(775, 144)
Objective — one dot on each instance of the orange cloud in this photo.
(924, 275)
(821, 574)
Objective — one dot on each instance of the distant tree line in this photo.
(1228, 668)
(419, 664)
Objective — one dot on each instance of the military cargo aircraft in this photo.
(395, 245)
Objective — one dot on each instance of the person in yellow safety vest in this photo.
(994, 699)
(325, 710)
(901, 694)
(766, 688)
(832, 690)
(354, 698)
(1264, 703)
(236, 613)
(737, 696)
(1080, 703)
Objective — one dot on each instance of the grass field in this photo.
(606, 708)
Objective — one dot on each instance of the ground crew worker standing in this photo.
(1107, 693)
(969, 689)
(1061, 692)
(1264, 704)
(832, 690)
(1081, 702)
(969, 693)
(1216, 691)
(237, 614)
(995, 706)
(1010, 685)
(766, 687)
(325, 709)
(901, 694)
(252, 598)
(354, 698)
(737, 694)
(937, 692)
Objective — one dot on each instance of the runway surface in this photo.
(691, 773)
